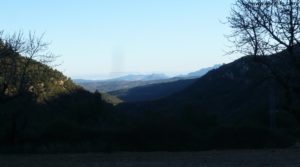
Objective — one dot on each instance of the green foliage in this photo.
(40, 80)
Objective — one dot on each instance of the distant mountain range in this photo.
(129, 77)
(132, 77)
(155, 91)
(200, 72)
(126, 82)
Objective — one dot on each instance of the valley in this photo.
(242, 109)
(133, 88)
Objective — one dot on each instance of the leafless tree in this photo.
(265, 26)
(246, 35)
(20, 59)
(31, 48)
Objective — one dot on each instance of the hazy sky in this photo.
(97, 38)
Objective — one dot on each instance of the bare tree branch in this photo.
(31, 48)
(265, 26)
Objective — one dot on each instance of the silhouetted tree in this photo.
(265, 26)
(246, 35)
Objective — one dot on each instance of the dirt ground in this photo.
(232, 158)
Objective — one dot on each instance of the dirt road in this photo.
(232, 158)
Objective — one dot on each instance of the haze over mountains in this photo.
(131, 80)
(129, 77)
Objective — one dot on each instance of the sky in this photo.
(96, 39)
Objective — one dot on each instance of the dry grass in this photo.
(232, 158)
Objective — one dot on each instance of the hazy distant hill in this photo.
(124, 82)
(150, 77)
(201, 72)
(130, 77)
(154, 91)
(132, 81)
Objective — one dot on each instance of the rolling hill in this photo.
(164, 88)
(152, 91)
(43, 82)
(253, 102)
(39, 106)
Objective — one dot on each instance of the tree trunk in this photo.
(13, 137)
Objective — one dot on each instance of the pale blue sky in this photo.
(98, 38)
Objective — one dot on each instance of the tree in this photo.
(246, 35)
(265, 26)
(20, 67)
(18, 53)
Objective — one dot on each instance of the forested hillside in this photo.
(251, 102)
(40, 106)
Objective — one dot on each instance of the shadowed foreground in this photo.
(287, 157)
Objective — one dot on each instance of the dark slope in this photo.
(152, 91)
(248, 103)
(246, 86)
(49, 112)
(138, 91)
